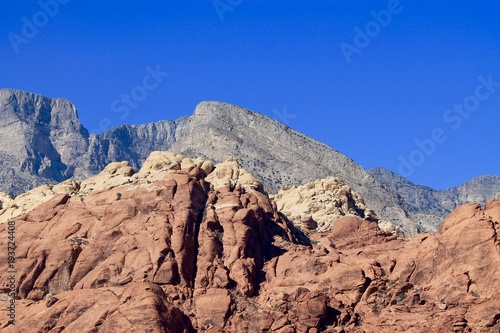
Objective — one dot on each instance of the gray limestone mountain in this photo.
(44, 142)
(439, 202)
(41, 138)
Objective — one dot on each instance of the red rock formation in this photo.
(135, 307)
(179, 254)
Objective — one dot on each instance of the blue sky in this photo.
(412, 86)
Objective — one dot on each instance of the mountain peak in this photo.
(211, 107)
(37, 108)
(484, 179)
(42, 137)
(225, 112)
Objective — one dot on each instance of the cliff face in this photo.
(45, 144)
(132, 143)
(186, 246)
(41, 139)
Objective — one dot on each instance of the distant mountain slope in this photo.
(131, 143)
(425, 199)
(44, 142)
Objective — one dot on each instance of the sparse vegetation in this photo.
(79, 241)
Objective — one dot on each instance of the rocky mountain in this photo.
(186, 246)
(46, 144)
(41, 139)
(425, 199)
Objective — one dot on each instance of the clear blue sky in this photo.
(279, 58)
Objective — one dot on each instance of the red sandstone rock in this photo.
(137, 307)
(178, 255)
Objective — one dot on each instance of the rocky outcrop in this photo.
(373, 282)
(135, 307)
(115, 174)
(181, 246)
(276, 154)
(452, 275)
(164, 225)
(315, 205)
(132, 143)
(45, 143)
(280, 156)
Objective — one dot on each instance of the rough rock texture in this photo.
(135, 307)
(438, 204)
(170, 249)
(231, 173)
(41, 139)
(118, 173)
(364, 280)
(317, 204)
(163, 225)
(280, 156)
(46, 144)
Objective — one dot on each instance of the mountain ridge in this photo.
(277, 154)
(440, 201)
